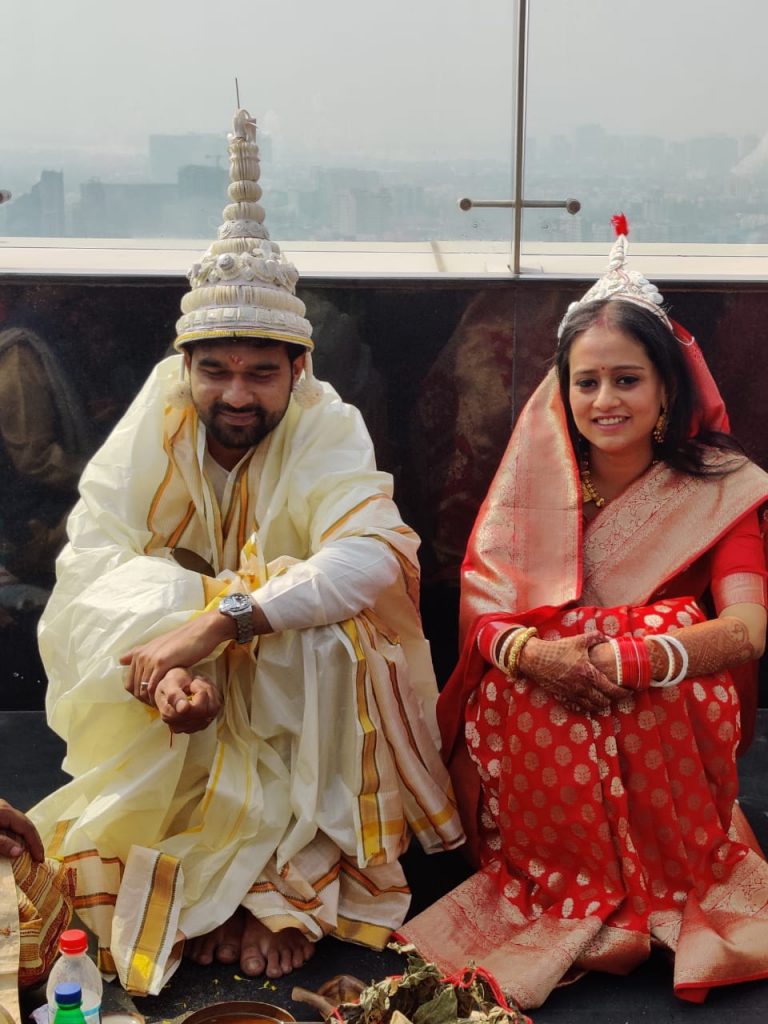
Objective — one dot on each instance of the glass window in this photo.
(374, 118)
(656, 109)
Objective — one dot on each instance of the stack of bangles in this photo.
(633, 664)
(502, 645)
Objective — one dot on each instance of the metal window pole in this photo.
(518, 202)
(519, 155)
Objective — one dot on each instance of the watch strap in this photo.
(242, 613)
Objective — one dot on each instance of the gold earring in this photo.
(660, 430)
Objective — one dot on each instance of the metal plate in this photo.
(240, 1011)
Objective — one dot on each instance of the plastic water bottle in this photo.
(68, 1003)
(76, 966)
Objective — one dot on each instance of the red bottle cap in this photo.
(73, 941)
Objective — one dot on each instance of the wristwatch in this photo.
(240, 608)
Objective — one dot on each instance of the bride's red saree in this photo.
(600, 835)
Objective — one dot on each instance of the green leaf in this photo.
(441, 1009)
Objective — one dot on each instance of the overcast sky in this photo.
(410, 78)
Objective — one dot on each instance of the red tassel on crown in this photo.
(620, 225)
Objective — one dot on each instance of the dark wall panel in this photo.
(439, 369)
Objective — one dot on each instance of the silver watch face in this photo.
(239, 607)
(234, 603)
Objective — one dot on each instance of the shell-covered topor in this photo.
(243, 286)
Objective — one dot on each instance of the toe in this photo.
(227, 953)
(275, 968)
(203, 948)
(252, 963)
(302, 952)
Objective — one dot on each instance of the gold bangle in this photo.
(521, 639)
(500, 659)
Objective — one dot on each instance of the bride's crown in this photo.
(619, 283)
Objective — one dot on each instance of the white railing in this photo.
(103, 257)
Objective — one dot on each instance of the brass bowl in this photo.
(240, 1011)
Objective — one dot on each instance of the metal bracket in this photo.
(570, 205)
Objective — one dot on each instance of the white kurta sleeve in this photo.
(332, 585)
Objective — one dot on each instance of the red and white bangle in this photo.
(494, 639)
(636, 672)
(502, 658)
(617, 655)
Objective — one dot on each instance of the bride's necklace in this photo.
(588, 491)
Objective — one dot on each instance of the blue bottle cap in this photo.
(68, 993)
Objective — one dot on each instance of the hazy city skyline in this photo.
(704, 189)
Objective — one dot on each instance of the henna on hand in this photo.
(564, 670)
(711, 647)
(603, 658)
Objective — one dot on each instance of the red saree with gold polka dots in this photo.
(597, 836)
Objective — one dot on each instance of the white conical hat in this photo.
(243, 286)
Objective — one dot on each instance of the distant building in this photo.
(197, 210)
(197, 181)
(187, 208)
(122, 211)
(169, 153)
(39, 213)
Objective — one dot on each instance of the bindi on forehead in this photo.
(610, 368)
(244, 356)
(239, 358)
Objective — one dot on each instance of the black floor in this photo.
(29, 768)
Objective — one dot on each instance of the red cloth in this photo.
(710, 412)
(740, 550)
(601, 834)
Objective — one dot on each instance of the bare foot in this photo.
(259, 950)
(222, 944)
(272, 953)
